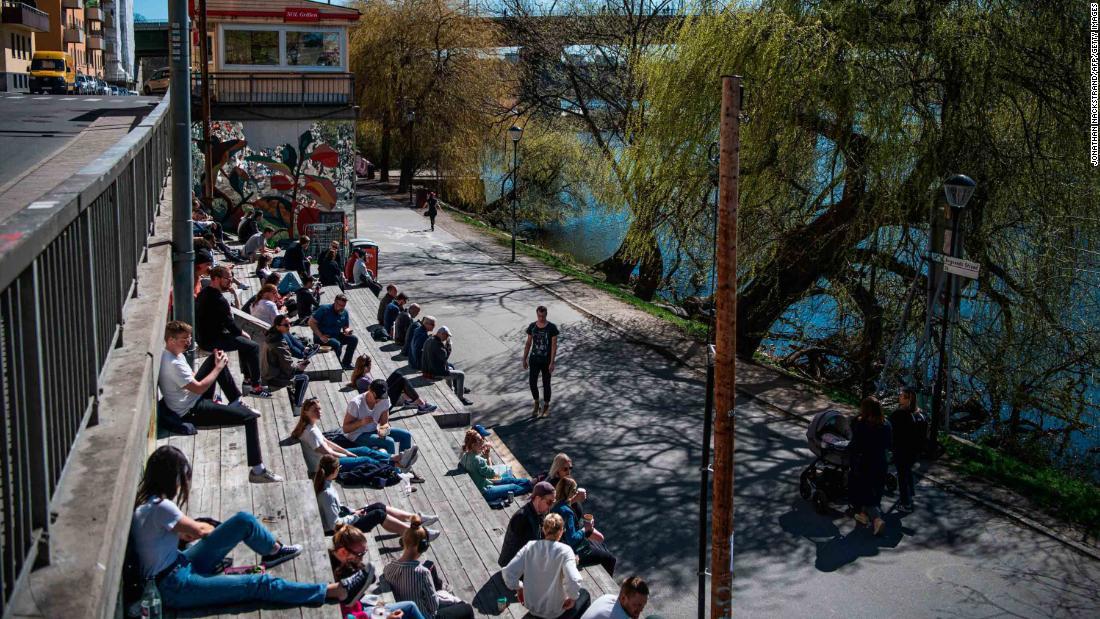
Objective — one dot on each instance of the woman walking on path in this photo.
(432, 209)
(539, 354)
(867, 479)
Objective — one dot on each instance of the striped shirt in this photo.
(412, 582)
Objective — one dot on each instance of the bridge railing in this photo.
(537, 8)
(68, 264)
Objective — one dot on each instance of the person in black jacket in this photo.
(384, 302)
(329, 271)
(249, 225)
(280, 369)
(308, 298)
(433, 362)
(295, 258)
(526, 524)
(909, 425)
(869, 468)
(216, 330)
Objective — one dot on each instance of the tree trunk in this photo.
(651, 272)
(620, 266)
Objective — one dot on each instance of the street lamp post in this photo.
(515, 133)
(410, 118)
(958, 189)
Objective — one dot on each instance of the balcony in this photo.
(95, 41)
(72, 4)
(287, 96)
(74, 33)
(93, 13)
(24, 16)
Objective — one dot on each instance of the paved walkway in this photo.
(630, 415)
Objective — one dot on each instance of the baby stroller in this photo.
(825, 480)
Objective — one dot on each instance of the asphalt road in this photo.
(34, 126)
(631, 421)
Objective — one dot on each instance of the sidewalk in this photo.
(774, 389)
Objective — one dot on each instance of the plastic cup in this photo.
(502, 604)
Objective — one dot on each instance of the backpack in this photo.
(376, 475)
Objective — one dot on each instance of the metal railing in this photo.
(68, 263)
(277, 89)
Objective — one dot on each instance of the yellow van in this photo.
(52, 72)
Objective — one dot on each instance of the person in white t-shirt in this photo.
(365, 413)
(315, 445)
(629, 604)
(187, 579)
(545, 577)
(191, 395)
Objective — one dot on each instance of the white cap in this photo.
(443, 329)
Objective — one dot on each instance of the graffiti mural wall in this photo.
(293, 171)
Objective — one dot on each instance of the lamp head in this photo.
(958, 190)
(515, 133)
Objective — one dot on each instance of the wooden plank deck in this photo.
(465, 553)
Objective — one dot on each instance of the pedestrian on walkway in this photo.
(187, 579)
(910, 428)
(432, 208)
(539, 354)
(191, 395)
(867, 478)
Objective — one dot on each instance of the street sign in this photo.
(960, 267)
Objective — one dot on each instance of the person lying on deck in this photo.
(186, 579)
(334, 512)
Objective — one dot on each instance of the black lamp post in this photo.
(957, 189)
(515, 133)
(410, 118)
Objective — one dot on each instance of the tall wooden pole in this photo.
(204, 71)
(725, 368)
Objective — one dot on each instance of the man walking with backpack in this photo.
(910, 429)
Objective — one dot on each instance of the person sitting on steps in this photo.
(477, 463)
(187, 579)
(366, 421)
(191, 395)
(526, 524)
(414, 340)
(393, 310)
(399, 387)
(331, 327)
(545, 577)
(584, 539)
(334, 513)
(434, 364)
(404, 321)
(279, 368)
(349, 546)
(384, 302)
(316, 445)
(420, 582)
(216, 329)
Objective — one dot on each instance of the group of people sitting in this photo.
(424, 346)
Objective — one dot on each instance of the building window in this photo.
(313, 49)
(252, 47)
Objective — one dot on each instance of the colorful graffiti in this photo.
(292, 184)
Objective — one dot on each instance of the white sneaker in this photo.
(267, 477)
(433, 534)
(239, 404)
(408, 457)
(428, 519)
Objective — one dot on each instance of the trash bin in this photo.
(370, 254)
(421, 197)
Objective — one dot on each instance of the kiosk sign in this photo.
(297, 14)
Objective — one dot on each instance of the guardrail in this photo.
(302, 89)
(68, 264)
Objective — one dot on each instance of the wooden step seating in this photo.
(467, 551)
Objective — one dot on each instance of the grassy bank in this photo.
(1073, 499)
(567, 266)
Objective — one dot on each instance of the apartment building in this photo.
(19, 21)
(76, 28)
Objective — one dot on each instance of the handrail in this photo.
(68, 264)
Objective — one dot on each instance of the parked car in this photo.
(83, 84)
(157, 84)
(102, 87)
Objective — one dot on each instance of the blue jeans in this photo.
(193, 584)
(507, 483)
(397, 438)
(363, 455)
(409, 610)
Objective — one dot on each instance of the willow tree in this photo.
(427, 84)
(856, 115)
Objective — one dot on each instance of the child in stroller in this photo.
(825, 480)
